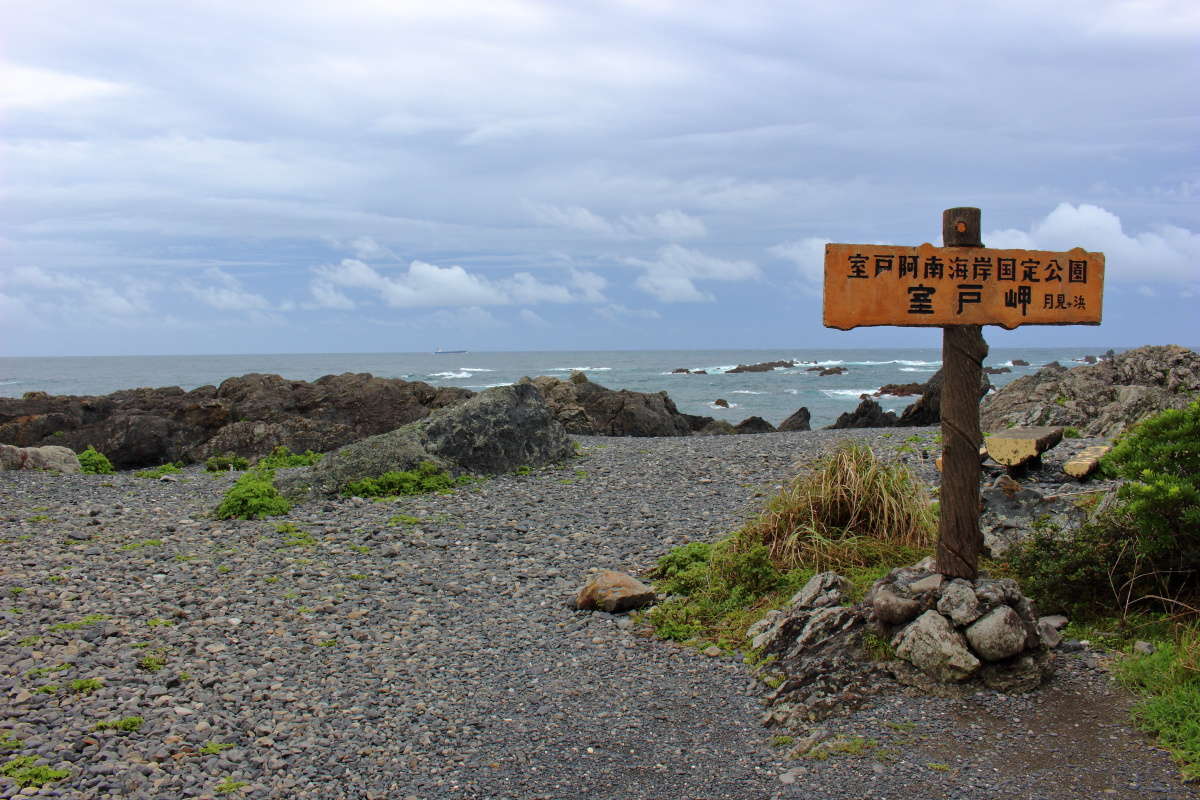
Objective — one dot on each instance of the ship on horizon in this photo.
(441, 352)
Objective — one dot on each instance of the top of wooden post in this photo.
(960, 227)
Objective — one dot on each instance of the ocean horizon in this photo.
(772, 395)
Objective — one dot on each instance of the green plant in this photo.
(254, 496)
(403, 519)
(141, 544)
(85, 685)
(229, 786)
(212, 747)
(227, 462)
(782, 741)
(159, 622)
(427, 477)
(1071, 432)
(39, 518)
(126, 724)
(41, 672)
(8, 741)
(93, 462)
(1145, 549)
(283, 458)
(26, 772)
(152, 662)
(49, 688)
(524, 469)
(1168, 681)
(161, 470)
(29, 641)
(90, 619)
(299, 538)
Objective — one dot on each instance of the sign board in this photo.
(867, 284)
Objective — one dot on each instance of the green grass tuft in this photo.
(427, 477)
(93, 462)
(254, 496)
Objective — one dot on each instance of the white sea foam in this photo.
(917, 369)
(451, 375)
(8, 383)
(842, 394)
(488, 386)
(716, 407)
(579, 369)
(476, 369)
(745, 391)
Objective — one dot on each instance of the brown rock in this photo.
(613, 592)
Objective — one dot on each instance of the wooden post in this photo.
(963, 351)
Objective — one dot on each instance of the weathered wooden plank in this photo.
(1086, 461)
(1017, 447)
(960, 285)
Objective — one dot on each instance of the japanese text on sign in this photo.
(927, 285)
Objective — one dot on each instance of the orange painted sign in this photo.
(871, 284)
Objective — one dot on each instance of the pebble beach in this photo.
(424, 648)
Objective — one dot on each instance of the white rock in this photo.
(931, 644)
(998, 634)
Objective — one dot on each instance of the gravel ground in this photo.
(424, 648)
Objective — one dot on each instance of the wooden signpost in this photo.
(960, 287)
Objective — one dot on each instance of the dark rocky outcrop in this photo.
(1020, 362)
(495, 431)
(721, 402)
(754, 425)
(798, 421)
(588, 408)
(766, 366)
(997, 370)
(247, 415)
(928, 408)
(900, 389)
(1100, 399)
(869, 414)
(823, 371)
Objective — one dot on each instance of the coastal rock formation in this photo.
(493, 432)
(588, 408)
(869, 414)
(247, 415)
(766, 366)
(799, 421)
(51, 457)
(754, 425)
(614, 592)
(1100, 399)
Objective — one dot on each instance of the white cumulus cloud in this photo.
(671, 276)
(807, 254)
(670, 224)
(1165, 252)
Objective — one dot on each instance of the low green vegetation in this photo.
(283, 458)
(93, 462)
(851, 513)
(254, 496)
(227, 462)
(140, 544)
(161, 470)
(427, 477)
(212, 747)
(152, 662)
(90, 619)
(1133, 571)
(126, 724)
(229, 786)
(85, 685)
(26, 772)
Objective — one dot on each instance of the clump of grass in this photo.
(851, 514)
(90, 619)
(427, 477)
(1168, 681)
(152, 662)
(93, 462)
(254, 496)
(141, 544)
(163, 469)
(227, 462)
(229, 786)
(212, 747)
(27, 772)
(283, 458)
(852, 510)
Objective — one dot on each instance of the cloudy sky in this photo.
(383, 175)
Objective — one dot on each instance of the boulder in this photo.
(868, 415)
(1101, 399)
(823, 590)
(998, 634)
(495, 431)
(50, 457)
(754, 425)
(799, 421)
(959, 603)
(588, 408)
(931, 644)
(721, 402)
(613, 592)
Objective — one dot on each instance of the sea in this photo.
(772, 395)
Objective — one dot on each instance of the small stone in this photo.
(1143, 648)
(892, 609)
(712, 651)
(959, 603)
(929, 584)
(932, 645)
